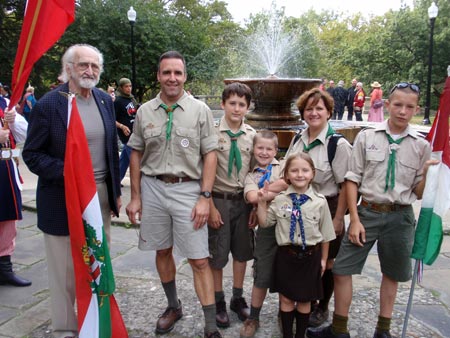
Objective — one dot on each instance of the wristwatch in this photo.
(206, 194)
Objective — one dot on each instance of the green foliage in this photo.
(389, 48)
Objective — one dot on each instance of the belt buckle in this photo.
(6, 154)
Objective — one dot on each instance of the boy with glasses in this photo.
(385, 213)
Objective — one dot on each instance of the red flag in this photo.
(98, 313)
(44, 23)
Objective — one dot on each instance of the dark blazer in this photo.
(44, 152)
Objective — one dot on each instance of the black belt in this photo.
(384, 207)
(298, 252)
(173, 179)
(232, 196)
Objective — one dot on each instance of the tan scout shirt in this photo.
(315, 215)
(369, 163)
(192, 137)
(252, 179)
(234, 183)
(327, 177)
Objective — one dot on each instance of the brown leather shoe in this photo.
(249, 328)
(215, 334)
(167, 320)
(239, 305)
(222, 319)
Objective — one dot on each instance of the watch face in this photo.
(206, 194)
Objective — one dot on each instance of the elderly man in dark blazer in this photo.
(44, 152)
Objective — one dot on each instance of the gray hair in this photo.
(359, 84)
(69, 57)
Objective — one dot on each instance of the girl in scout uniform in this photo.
(316, 107)
(303, 229)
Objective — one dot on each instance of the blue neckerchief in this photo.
(267, 173)
(297, 215)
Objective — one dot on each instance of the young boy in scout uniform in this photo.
(229, 214)
(267, 168)
(388, 166)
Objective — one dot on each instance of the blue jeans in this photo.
(124, 161)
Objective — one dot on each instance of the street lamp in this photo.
(432, 14)
(132, 19)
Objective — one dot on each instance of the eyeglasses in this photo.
(402, 85)
(85, 65)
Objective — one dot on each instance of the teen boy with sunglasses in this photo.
(388, 167)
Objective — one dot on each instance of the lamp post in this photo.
(131, 14)
(432, 14)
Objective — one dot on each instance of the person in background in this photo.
(385, 215)
(172, 168)
(28, 102)
(350, 99)
(359, 101)
(111, 91)
(331, 88)
(125, 106)
(10, 196)
(376, 113)
(340, 96)
(44, 154)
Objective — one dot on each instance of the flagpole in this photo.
(410, 299)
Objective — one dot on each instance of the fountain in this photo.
(271, 48)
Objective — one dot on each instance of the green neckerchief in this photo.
(390, 174)
(235, 154)
(316, 142)
(169, 111)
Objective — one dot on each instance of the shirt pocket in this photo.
(374, 160)
(153, 139)
(311, 222)
(186, 142)
(407, 171)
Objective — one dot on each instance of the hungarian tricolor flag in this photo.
(436, 197)
(44, 23)
(98, 312)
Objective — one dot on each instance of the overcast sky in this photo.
(241, 9)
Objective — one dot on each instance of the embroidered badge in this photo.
(372, 147)
(222, 140)
(184, 143)
(150, 125)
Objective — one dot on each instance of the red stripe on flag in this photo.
(44, 23)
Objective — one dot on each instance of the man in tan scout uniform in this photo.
(228, 221)
(173, 165)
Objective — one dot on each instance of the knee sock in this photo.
(254, 312)
(328, 286)
(237, 292)
(287, 322)
(383, 324)
(170, 289)
(339, 324)
(219, 296)
(301, 324)
(209, 311)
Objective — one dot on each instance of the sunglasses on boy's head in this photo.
(403, 85)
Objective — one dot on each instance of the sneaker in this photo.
(249, 328)
(215, 334)
(324, 332)
(222, 319)
(384, 334)
(318, 317)
(167, 320)
(239, 305)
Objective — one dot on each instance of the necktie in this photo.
(266, 175)
(169, 111)
(316, 142)
(235, 154)
(390, 174)
(297, 215)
